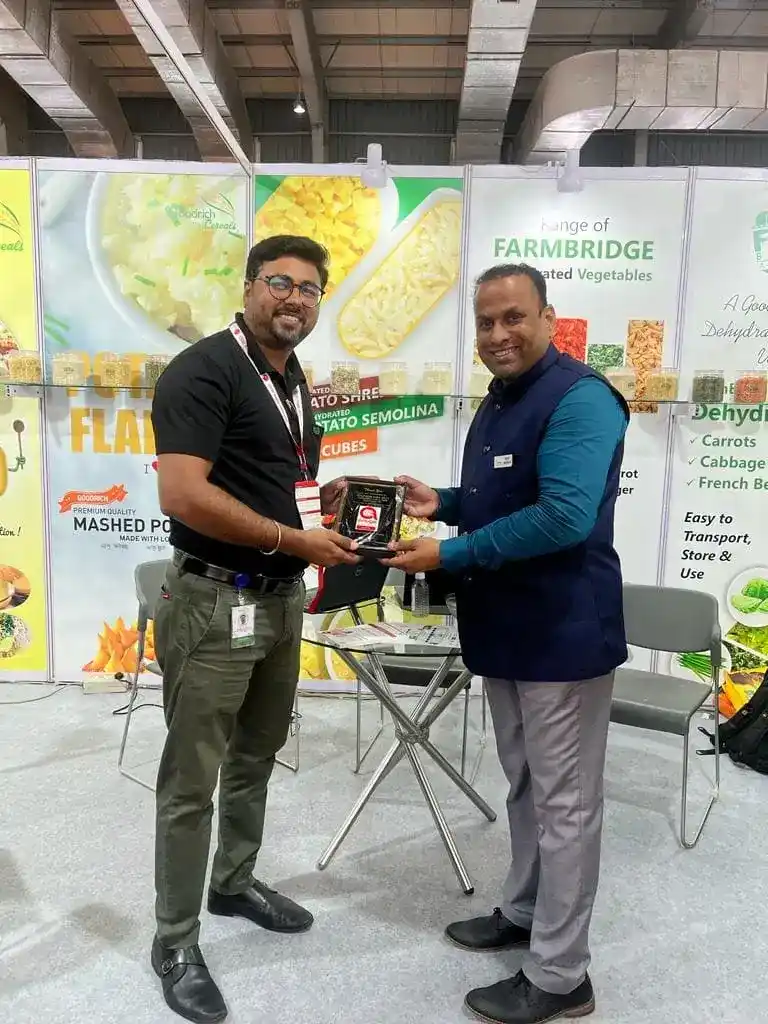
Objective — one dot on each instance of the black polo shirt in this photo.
(210, 403)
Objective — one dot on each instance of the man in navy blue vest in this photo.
(539, 605)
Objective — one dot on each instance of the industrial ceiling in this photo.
(78, 59)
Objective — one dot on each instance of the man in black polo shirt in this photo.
(238, 451)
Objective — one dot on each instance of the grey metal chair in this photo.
(149, 578)
(674, 620)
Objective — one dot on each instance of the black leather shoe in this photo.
(263, 906)
(517, 1001)
(492, 932)
(188, 988)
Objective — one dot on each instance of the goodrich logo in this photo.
(11, 239)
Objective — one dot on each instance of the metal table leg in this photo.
(439, 819)
(414, 728)
(412, 732)
(394, 754)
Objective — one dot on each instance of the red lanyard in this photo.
(298, 402)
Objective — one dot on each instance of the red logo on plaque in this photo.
(368, 519)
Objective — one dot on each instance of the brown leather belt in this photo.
(241, 580)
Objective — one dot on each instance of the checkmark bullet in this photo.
(693, 440)
(691, 461)
(691, 482)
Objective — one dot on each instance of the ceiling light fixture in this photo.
(298, 106)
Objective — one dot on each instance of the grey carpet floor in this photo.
(677, 937)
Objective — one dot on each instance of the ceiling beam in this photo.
(309, 66)
(45, 61)
(14, 138)
(190, 25)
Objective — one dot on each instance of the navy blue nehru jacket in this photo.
(539, 590)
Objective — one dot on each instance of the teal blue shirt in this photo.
(572, 465)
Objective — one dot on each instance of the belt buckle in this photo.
(259, 585)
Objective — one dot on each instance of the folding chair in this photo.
(149, 578)
(673, 620)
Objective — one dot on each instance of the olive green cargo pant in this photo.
(226, 709)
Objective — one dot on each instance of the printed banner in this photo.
(23, 604)
(612, 265)
(389, 316)
(135, 264)
(719, 500)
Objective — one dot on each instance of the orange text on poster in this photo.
(357, 442)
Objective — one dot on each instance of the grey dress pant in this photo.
(551, 740)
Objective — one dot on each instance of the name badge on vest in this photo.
(503, 461)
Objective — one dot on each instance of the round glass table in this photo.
(366, 649)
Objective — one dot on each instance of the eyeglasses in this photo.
(282, 287)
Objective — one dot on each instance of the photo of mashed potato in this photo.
(175, 249)
(337, 211)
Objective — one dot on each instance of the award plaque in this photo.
(370, 513)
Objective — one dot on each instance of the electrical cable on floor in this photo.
(58, 687)
(137, 707)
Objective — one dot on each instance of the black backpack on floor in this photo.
(745, 736)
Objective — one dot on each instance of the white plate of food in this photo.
(748, 597)
(169, 252)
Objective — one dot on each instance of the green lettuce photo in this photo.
(753, 599)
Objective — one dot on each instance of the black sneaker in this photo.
(492, 932)
(518, 1001)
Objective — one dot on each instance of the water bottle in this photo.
(420, 596)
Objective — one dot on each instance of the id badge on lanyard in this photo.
(306, 491)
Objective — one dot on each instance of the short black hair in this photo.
(502, 270)
(302, 248)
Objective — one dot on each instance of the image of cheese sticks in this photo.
(418, 271)
(645, 345)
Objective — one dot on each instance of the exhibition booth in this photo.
(109, 268)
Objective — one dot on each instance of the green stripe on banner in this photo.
(265, 185)
(413, 191)
(390, 413)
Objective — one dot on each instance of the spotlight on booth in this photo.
(374, 174)
(569, 179)
(298, 106)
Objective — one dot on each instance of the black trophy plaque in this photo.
(370, 513)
